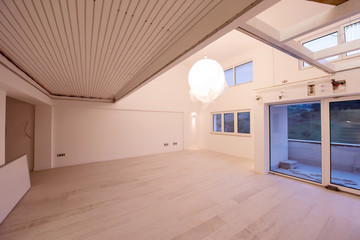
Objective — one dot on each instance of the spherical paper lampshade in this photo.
(206, 80)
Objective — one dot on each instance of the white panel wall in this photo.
(14, 183)
(238, 98)
(90, 135)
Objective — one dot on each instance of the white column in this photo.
(43, 137)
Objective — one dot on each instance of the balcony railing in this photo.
(344, 157)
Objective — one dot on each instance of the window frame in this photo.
(235, 133)
(237, 119)
(341, 39)
(233, 76)
(233, 67)
(212, 123)
(223, 117)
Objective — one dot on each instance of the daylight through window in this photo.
(235, 122)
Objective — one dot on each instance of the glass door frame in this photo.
(325, 140)
(326, 148)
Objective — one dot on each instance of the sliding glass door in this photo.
(317, 141)
(295, 140)
(345, 143)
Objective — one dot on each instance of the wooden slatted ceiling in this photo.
(94, 48)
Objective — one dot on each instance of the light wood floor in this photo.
(183, 195)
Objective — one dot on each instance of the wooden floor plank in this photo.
(181, 195)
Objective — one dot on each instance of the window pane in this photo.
(243, 121)
(304, 122)
(297, 158)
(217, 122)
(345, 143)
(321, 43)
(228, 122)
(229, 77)
(352, 32)
(244, 73)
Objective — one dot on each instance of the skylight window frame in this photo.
(341, 39)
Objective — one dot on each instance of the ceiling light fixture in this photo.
(207, 80)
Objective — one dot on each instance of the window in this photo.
(229, 118)
(229, 77)
(229, 122)
(217, 122)
(243, 74)
(341, 34)
(352, 32)
(304, 121)
(243, 122)
(293, 149)
(321, 43)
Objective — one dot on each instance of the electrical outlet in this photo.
(60, 155)
(311, 89)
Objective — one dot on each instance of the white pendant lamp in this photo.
(206, 80)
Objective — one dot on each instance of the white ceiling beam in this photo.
(321, 20)
(264, 27)
(291, 48)
(339, 49)
(347, 65)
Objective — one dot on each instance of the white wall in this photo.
(19, 139)
(140, 124)
(238, 98)
(90, 135)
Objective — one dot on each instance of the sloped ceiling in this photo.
(104, 49)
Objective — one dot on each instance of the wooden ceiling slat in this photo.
(57, 39)
(31, 30)
(116, 25)
(16, 54)
(97, 21)
(151, 8)
(16, 31)
(45, 14)
(109, 16)
(19, 47)
(140, 15)
(74, 33)
(156, 23)
(92, 48)
(107, 12)
(144, 54)
(62, 39)
(187, 21)
(126, 18)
